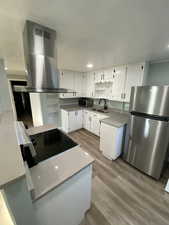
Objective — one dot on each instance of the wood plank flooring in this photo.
(121, 195)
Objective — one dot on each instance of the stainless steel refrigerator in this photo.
(147, 136)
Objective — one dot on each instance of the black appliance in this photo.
(46, 145)
(86, 102)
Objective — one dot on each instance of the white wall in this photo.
(5, 101)
(158, 74)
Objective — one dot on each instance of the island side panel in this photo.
(20, 203)
(67, 203)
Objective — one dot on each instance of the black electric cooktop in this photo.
(47, 144)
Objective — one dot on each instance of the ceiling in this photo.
(105, 33)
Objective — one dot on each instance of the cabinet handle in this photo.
(121, 95)
(124, 95)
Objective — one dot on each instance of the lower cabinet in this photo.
(111, 139)
(95, 124)
(91, 121)
(86, 120)
(75, 120)
(71, 120)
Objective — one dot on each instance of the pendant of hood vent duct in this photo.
(39, 50)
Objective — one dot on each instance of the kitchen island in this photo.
(61, 191)
(56, 191)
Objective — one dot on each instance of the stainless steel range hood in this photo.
(39, 49)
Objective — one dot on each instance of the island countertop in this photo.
(50, 173)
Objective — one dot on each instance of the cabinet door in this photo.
(98, 76)
(86, 120)
(108, 75)
(67, 81)
(111, 141)
(71, 121)
(90, 84)
(119, 78)
(107, 139)
(78, 84)
(78, 119)
(95, 124)
(135, 73)
(84, 85)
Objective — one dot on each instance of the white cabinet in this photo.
(86, 120)
(113, 84)
(90, 85)
(119, 78)
(91, 121)
(103, 76)
(95, 124)
(71, 120)
(78, 80)
(111, 141)
(135, 76)
(84, 85)
(67, 81)
(108, 75)
(98, 76)
(73, 81)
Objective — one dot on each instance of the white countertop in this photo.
(40, 129)
(115, 118)
(11, 162)
(52, 172)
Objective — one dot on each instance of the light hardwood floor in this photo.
(121, 195)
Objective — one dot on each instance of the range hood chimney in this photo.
(39, 49)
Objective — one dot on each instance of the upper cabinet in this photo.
(90, 84)
(136, 75)
(108, 75)
(103, 76)
(73, 81)
(113, 84)
(119, 79)
(78, 78)
(98, 76)
(67, 79)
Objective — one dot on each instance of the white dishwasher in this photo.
(111, 139)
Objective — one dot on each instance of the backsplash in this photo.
(68, 101)
(114, 105)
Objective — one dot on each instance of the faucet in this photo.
(105, 103)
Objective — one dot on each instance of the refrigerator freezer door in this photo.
(152, 100)
(147, 144)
